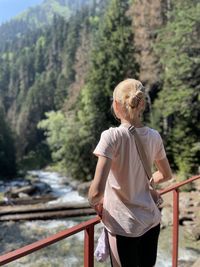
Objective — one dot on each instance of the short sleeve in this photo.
(105, 147)
(160, 151)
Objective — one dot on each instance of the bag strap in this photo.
(141, 152)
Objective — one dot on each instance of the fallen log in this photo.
(27, 201)
(42, 207)
(48, 215)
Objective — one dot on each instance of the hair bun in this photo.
(135, 99)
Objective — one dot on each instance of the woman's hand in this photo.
(99, 208)
(157, 177)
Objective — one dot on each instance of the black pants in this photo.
(138, 251)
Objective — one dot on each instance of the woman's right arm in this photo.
(164, 172)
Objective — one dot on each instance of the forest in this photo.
(57, 77)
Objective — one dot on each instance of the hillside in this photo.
(6, 13)
(37, 17)
(37, 73)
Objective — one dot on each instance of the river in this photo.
(69, 252)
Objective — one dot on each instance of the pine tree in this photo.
(178, 104)
(7, 149)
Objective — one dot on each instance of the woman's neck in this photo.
(136, 123)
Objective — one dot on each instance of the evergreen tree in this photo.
(177, 107)
(40, 55)
(7, 150)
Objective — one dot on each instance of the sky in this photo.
(11, 8)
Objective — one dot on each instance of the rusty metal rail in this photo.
(88, 228)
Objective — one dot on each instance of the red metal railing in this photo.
(175, 235)
(88, 228)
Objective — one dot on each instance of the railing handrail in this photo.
(87, 226)
(28, 249)
(177, 185)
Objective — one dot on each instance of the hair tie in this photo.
(135, 99)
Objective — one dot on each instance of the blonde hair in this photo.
(129, 93)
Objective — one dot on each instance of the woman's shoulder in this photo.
(113, 133)
(154, 133)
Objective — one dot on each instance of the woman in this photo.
(120, 189)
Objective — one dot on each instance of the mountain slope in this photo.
(7, 13)
(39, 71)
(37, 17)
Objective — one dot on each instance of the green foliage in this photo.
(55, 126)
(36, 71)
(177, 106)
(62, 138)
(112, 60)
(35, 159)
(35, 75)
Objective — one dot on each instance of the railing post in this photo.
(175, 227)
(89, 247)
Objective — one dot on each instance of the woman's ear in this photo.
(114, 105)
(116, 108)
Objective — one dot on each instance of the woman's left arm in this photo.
(96, 191)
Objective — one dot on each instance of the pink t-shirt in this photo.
(129, 209)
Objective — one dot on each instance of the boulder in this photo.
(197, 263)
(196, 232)
(14, 191)
(167, 216)
(23, 195)
(183, 263)
(34, 189)
(42, 188)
